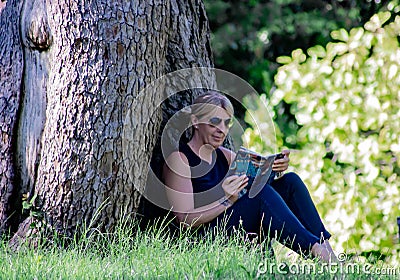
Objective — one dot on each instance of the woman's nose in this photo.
(222, 127)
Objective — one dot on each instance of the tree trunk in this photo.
(11, 67)
(66, 91)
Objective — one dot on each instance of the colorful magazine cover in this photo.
(256, 166)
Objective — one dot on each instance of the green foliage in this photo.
(346, 100)
(248, 36)
(28, 205)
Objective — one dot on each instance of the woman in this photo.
(197, 172)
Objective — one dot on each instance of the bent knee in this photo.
(294, 180)
(291, 176)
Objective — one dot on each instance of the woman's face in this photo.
(213, 127)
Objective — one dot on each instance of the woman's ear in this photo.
(194, 121)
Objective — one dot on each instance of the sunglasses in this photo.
(216, 121)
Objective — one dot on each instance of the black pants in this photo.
(283, 210)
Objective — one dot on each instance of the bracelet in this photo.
(242, 193)
(225, 201)
(279, 175)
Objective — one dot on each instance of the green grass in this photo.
(127, 254)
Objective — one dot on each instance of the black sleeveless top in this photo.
(206, 177)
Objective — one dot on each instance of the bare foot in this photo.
(324, 252)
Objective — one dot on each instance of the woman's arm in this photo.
(179, 189)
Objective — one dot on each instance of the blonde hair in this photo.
(201, 105)
(205, 104)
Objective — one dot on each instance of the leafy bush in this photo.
(248, 36)
(346, 100)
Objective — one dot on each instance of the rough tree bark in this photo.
(70, 70)
(11, 66)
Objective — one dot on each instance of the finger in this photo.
(276, 169)
(243, 185)
(242, 182)
(279, 169)
(244, 179)
(283, 166)
(238, 179)
(237, 184)
(232, 178)
(279, 164)
(240, 188)
(233, 185)
(284, 159)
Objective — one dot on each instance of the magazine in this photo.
(256, 166)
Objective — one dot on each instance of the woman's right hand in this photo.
(232, 185)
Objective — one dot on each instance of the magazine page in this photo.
(257, 167)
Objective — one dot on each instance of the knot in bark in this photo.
(35, 27)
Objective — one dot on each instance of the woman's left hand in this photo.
(282, 164)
